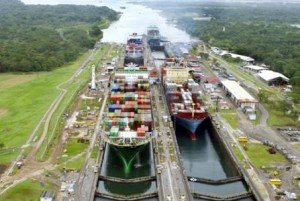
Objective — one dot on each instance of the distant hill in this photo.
(41, 37)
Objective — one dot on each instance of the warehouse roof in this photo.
(237, 91)
(253, 67)
(269, 75)
(242, 57)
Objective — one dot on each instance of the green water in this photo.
(127, 163)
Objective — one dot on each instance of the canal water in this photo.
(113, 165)
(203, 158)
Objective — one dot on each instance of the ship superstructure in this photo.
(134, 52)
(154, 39)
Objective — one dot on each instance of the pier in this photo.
(215, 182)
(172, 181)
(126, 181)
(217, 198)
(113, 196)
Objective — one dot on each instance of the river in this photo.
(135, 18)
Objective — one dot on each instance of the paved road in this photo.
(173, 181)
(251, 171)
(87, 175)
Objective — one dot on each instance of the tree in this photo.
(95, 31)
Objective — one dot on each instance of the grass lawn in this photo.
(239, 156)
(297, 146)
(258, 116)
(57, 121)
(231, 117)
(29, 190)
(73, 148)
(95, 152)
(27, 102)
(277, 115)
(278, 118)
(9, 80)
(76, 164)
(259, 156)
(6, 158)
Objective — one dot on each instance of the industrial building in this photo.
(47, 196)
(211, 83)
(254, 68)
(238, 94)
(273, 78)
(177, 75)
(242, 57)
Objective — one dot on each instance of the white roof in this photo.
(224, 52)
(184, 50)
(110, 67)
(242, 57)
(268, 75)
(237, 91)
(253, 67)
(127, 134)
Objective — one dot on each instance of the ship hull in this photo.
(139, 60)
(155, 45)
(190, 125)
(157, 48)
(129, 154)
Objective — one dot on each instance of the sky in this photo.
(95, 2)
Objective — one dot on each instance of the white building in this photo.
(273, 78)
(132, 75)
(238, 94)
(216, 50)
(254, 68)
(47, 196)
(177, 75)
(242, 57)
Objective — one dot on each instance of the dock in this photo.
(216, 182)
(173, 183)
(228, 198)
(118, 197)
(127, 181)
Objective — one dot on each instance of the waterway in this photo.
(134, 18)
(203, 158)
(114, 166)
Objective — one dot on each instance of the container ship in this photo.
(184, 99)
(134, 52)
(128, 120)
(154, 39)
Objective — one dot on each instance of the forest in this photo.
(42, 37)
(265, 32)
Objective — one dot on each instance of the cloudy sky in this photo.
(96, 2)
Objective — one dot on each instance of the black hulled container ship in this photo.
(184, 99)
(154, 39)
